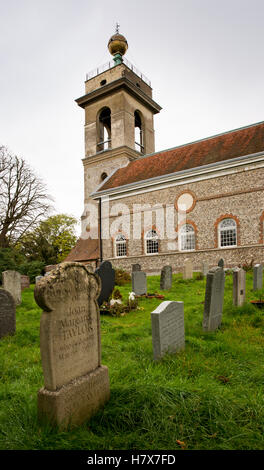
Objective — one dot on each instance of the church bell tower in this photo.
(119, 112)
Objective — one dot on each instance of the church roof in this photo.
(236, 143)
(84, 250)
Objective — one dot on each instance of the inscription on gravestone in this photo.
(214, 299)
(167, 328)
(166, 278)
(76, 384)
(7, 314)
(107, 276)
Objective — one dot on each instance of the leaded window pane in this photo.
(121, 246)
(187, 238)
(152, 242)
(228, 233)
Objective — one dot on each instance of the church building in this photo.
(203, 200)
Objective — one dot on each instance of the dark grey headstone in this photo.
(107, 275)
(257, 277)
(7, 313)
(136, 267)
(139, 282)
(221, 263)
(214, 299)
(167, 323)
(166, 278)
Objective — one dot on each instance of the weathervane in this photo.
(117, 28)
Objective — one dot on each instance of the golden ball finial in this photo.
(117, 43)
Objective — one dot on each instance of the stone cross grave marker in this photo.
(107, 276)
(257, 277)
(167, 323)
(139, 282)
(166, 278)
(187, 269)
(76, 385)
(12, 283)
(214, 299)
(7, 314)
(136, 267)
(239, 287)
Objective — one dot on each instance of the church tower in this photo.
(119, 112)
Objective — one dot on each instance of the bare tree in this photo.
(23, 198)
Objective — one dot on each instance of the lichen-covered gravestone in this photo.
(257, 277)
(167, 328)
(239, 287)
(107, 276)
(166, 278)
(7, 314)
(187, 269)
(12, 283)
(139, 282)
(76, 385)
(214, 299)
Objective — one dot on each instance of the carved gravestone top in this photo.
(107, 276)
(166, 278)
(214, 299)
(221, 263)
(167, 328)
(136, 267)
(70, 324)
(7, 314)
(12, 283)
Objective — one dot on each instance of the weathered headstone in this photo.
(76, 385)
(136, 267)
(187, 269)
(107, 276)
(7, 313)
(221, 263)
(205, 268)
(37, 279)
(257, 276)
(25, 282)
(12, 283)
(239, 286)
(166, 278)
(139, 282)
(214, 299)
(167, 328)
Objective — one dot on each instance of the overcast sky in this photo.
(204, 59)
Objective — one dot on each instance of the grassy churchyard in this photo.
(210, 396)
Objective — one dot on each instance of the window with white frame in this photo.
(227, 233)
(120, 245)
(152, 242)
(187, 238)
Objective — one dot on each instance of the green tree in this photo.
(51, 241)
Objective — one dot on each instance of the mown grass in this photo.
(209, 396)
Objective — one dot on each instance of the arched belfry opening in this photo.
(139, 135)
(104, 130)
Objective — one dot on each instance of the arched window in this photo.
(120, 245)
(227, 233)
(139, 141)
(104, 130)
(187, 238)
(152, 242)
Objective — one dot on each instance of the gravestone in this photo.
(205, 268)
(139, 282)
(7, 313)
(187, 269)
(257, 277)
(37, 279)
(136, 267)
(166, 278)
(12, 283)
(25, 282)
(239, 287)
(214, 299)
(107, 276)
(76, 385)
(167, 323)
(221, 263)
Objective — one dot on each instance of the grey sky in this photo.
(204, 59)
